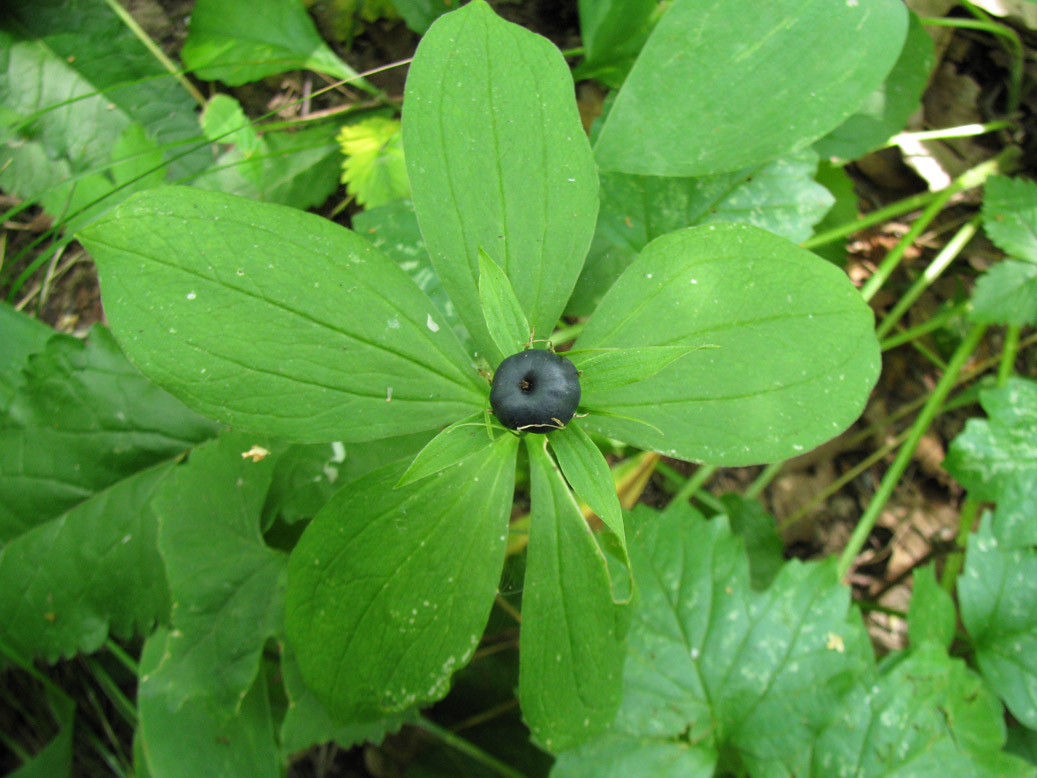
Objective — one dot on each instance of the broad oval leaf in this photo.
(276, 321)
(796, 357)
(497, 158)
(755, 81)
(389, 589)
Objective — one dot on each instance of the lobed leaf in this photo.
(389, 589)
(570, 646)
(276, 321)
(497, 158)
(755, 81)
(796, 357)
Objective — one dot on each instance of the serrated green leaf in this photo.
(996, 459)
(780, 196)
(83, 420)
(616, 756)
(742, 69)
(389, 589)
(67, 583)
(456, 443)
(928, 716)
(224, 121)
(497, 158)
(570, 646)
(885, 111)
(200, 738)
(202, 288)
(505, 320)
(931, 615)
(374, 170)
(21, 336)
(589, 475)
(998, 600)
(237, 42)
(1010, 215)
(307, 722)
(226, 585)
(797, 352)
(1006, 294)
(613, 368)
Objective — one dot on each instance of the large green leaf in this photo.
(996, 459)
(796, 357)
(389, 589)
(21, 336)
(571, 655)
(998, 597)
(1007, 293)
(200, 738)
(497, 158)
(82, 420)
(67, 583)
(237, 42)
(754, 80)
(276, 321)
(226, 585)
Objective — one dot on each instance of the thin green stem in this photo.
(929, 354)
(900, 207)
(961, 131)
(934, 323)
(121, 702)
(1008, 354)
(900, 463)
(763, 479)
(956, 559)
(940, 262)
(120, 654)
(577, 51)
(693, 484)
(468, 748)
(567, 333)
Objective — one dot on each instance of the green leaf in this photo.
(780, 196)
(224, 121)
(237, 42)
(453, 445)
(996, 459)
(616, 756)
(304, 478)
(74, 79)
(931, 616)
(419, 14)
(307, 722)
(605, 263)
(841, 186)
(613, 368)
(759, 531)
(613, 32)
(1006, 294)
(755, 81)
(226, 586)
(67, 583)
(203, 288)
(929, 715)
(885, 111)
(713, 664)
(505, 321)
(82, 420)
(374, 170)
(998, 599)
(497, 158)
(200, 738)
(570, 646)
(21, 336)
(1010, 216)
(797, 353)
(389, 589)
(589, 475)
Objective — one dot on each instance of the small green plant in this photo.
(325, 561)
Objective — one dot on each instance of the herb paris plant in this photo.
(280, 323)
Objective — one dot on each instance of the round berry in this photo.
(535, 391)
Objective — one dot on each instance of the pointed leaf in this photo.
(226, 585)
(742, 69)
(931, 615)
(797, 352)
(1010, 215)
(613, 368)
(504, 318)
(1006, 294)
(389, 589)
(497, 158)
(570, 646)
(276, 321)
(998, 597)
(457, 442)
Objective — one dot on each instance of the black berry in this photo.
(535, 391)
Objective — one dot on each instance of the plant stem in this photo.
(926, 327)
(961, 131)
(956, 559)
(125, 659)
(693, 484)
(156, 52)
(467, 748)
(119, 700)
(940, 262)
(900, 463)
(763, 479)
(908, 204)
(1007, 364)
